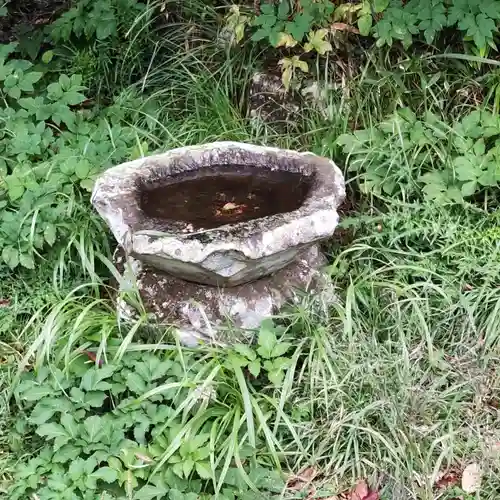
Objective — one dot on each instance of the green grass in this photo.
(396, 383)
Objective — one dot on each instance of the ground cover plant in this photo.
(393, 393)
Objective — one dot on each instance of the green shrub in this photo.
(182, 424)
(310, 25)
(51, 149)
(413, 158)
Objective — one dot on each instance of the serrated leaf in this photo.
(266, 340)
(204, 470)
(26, 260)
(93, 428)
(135, 383)
(245, 351)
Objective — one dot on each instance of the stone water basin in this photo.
(221, 214)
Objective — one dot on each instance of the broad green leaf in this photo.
(254, 368)
(28, 80)
(82, 168)
(52, 431)
(266, 340)
(93, 428)
(47, 56)
(380, 5)
(204, 470)
(95, 398)
(26, 260)
(245, 351)
(469, 188)
(93, 379)
(187, 467)
(10, 256)
(106, 474)
(135, 383)
(49, 233)
(280, 348)
(150, 492)
(70, 425)
(66, 453)
(365, 24)
(36, 392)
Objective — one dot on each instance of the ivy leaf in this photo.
(317, 42)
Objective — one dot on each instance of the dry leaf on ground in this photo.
(302, 478)
(447, 480)
(362, 492)
(471, 478)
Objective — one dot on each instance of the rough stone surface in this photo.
(202, 313)
(231, 254)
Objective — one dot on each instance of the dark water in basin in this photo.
(213, 196)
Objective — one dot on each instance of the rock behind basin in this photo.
(220, 214)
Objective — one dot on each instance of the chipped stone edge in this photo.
(278, 239)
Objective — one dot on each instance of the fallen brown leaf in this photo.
(344, 27)
(302, 478)
(4, 302)
(362, 492)
(448, 480)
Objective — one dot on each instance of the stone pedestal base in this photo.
(202, 313)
